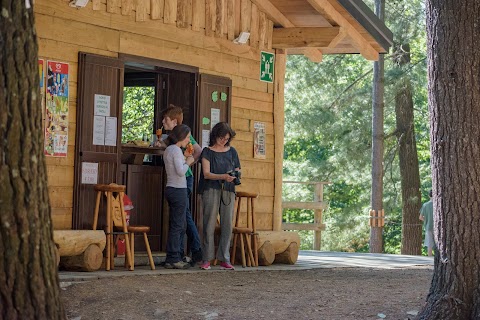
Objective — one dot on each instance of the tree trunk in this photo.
(408, 160)
(29, 285)
(454, 100)
(376, 233)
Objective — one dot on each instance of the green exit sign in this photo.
(267, 63)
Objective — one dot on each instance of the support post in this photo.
(318, 197)
(278, 125)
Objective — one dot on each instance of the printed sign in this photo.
(102, 105)
(111, 131)
(214, 116)
(267, 63)
(89, 173)
(259, 141)
(98, 130)
(56, 110)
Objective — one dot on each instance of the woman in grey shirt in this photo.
(176, 193)
(220, 172)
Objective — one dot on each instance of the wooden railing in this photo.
(318, 205)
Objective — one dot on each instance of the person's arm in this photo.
(421, 217)
(179, 163)
(214, 176)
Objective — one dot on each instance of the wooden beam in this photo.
(273, 13)
(315, 55)
(276, 16)
(303, 37)
(303, 226)
(341, 35)
(326, 8)
(313, 205)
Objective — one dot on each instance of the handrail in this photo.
(317, 205)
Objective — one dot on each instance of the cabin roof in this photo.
(317, 27)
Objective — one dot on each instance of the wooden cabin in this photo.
(197, 55)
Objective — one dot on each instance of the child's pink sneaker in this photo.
(226, 266)
(205, 265)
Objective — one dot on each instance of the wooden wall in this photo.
(191, 32)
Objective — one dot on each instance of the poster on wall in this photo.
(56, 110)
(259, 141)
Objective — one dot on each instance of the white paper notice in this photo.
(102, 105)
(205, 138)
(111, 131)
(214, 117)
(89, 173)
(259, 141)
(99, 130)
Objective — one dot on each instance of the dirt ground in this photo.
(341, 293)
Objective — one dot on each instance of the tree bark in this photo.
(29, 284)
(376, 233)
(408, 159)
(453, 39)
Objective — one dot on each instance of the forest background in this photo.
(328, 132)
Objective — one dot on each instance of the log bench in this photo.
(277, 247)
(79, 249)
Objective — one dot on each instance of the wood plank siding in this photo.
(197, 33)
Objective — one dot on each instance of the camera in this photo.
(237, 175)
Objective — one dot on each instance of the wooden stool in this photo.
(117, 222)
(246, 231)
(108, 190)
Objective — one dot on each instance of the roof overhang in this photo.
(318, 27)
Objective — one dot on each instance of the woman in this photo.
(176, 193)
(218, 193)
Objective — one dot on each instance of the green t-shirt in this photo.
(189, 171)
(427, 214)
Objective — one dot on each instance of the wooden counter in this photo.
(133, 154)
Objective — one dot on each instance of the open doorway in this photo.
(148, 90)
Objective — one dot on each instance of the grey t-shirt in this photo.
(175, 166)
(220, 162)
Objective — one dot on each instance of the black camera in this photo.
(237, 175)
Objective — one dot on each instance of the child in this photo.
(176, 193)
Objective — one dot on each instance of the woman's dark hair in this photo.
(220, 130)
(178, 133)
(430, 193)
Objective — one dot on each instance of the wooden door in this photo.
(208, 100)
(97, 75)
(215, 96)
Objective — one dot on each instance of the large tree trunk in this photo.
(408, 159)
(376, 231)
(454, 99)
(29, 285)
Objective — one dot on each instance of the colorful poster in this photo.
(56, 110)
(259, 141)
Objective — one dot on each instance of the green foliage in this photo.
(137, 113)
(328, 133)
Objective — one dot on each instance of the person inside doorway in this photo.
(426, 215)
(176, 165)
(172, 117)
